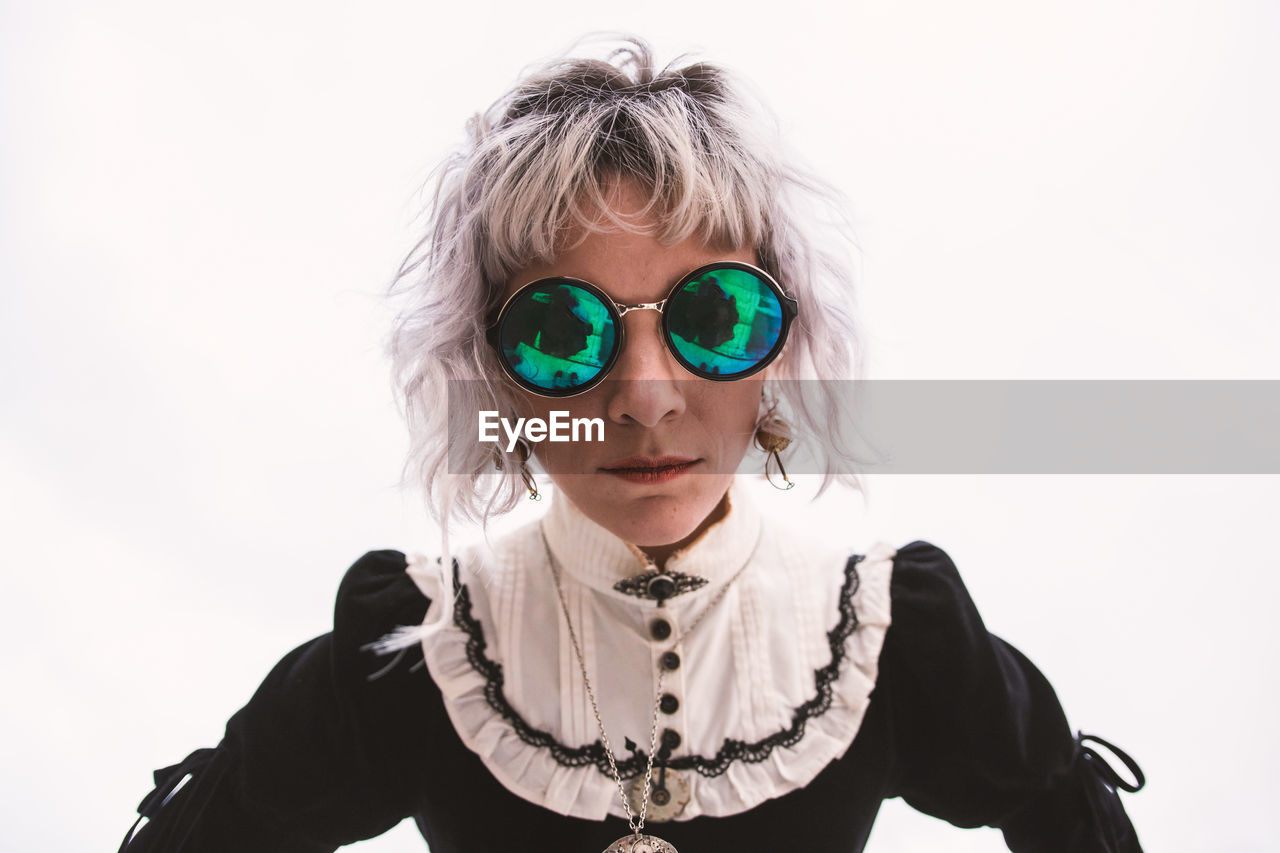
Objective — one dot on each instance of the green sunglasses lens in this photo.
(725, 322)
(557, 337)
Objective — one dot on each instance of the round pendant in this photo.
(665, 803)
(642, 844)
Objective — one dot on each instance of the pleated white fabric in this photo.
(743, 672)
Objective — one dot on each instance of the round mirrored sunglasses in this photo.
(561, 336)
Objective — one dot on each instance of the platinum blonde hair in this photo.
(535, 168)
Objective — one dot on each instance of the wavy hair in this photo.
(536, 167)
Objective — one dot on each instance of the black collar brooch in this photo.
(655, 585)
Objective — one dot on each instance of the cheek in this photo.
(728, 413)
(741, 403)
(563, 457)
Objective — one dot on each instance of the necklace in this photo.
(637, 841)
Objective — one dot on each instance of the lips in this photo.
(650, 469)
(648, 463)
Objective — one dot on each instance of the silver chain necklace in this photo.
(636, 842)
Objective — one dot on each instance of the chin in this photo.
(664, 528)
(647, 520)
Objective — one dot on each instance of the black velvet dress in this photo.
(960, 724)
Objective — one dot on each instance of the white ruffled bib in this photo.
(760, 709)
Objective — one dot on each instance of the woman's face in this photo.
(655, 413)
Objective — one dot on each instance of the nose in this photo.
(647, 390)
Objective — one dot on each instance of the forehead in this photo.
(629, 267)
(622, 255)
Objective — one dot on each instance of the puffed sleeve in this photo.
(980, 736)
(325, 752)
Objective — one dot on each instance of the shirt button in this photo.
(660, 629)
(669, 703)
(671, 739)
(670, 661)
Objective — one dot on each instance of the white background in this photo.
(202, 205)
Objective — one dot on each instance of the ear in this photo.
(773, 372)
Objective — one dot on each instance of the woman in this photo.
(653, 665)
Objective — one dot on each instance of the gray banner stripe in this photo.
(1119, 427)
(1070, 427)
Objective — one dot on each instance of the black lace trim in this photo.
(594, 753)
(565, 756)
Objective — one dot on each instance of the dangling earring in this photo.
(773, 436)
(774, 443)
(522, 450)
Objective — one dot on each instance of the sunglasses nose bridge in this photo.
(641, 306)
(643, 347)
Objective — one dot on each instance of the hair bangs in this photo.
(551, 174)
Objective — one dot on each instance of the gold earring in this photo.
(774, 443)
(522, 451)
(522, 448)
(773, 436)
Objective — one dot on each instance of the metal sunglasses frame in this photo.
(618, 310)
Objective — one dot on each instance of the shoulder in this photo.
(377, 582)
(377, 597)
(936, 635)
(382, 689)
(495, 560)
(927, 587)
(979, 734)
(495, 571)
(372, 574)
(921, 561)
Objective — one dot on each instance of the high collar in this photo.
(591, 555)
